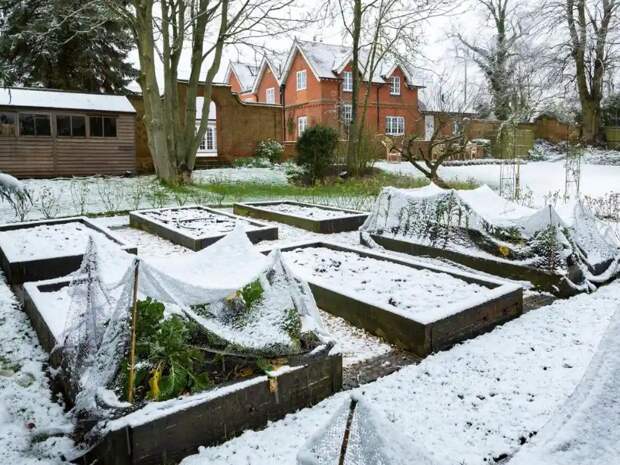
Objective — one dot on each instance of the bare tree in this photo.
(586, 53)
(449, 138)
(379, 30)
(499, 59)
(162, 30)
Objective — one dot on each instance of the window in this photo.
(302, 124)
(7, 125)
(31, 124)
(302, 79)
(456, 127)
(394, 125)
(208, 142)
(270, 95)
(102, 126)
(70, 126)
(395, 85)
(347, 114)
(347, 82)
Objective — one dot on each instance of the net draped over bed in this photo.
(208, 287)
(479, 222)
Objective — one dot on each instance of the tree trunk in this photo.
(590, 121)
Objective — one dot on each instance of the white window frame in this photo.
(208, 144)
(302, 79)
(270, 95)
(395, 85)
(395, 125)
(347, 81)
(347, 114)
(302, 125)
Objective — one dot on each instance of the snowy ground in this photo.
(76, 196)
(544, 179)
(31, 422)
(477, 402)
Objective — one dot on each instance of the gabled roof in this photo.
(50, 98)
(327, 61)
(266, 63)
(244, 72)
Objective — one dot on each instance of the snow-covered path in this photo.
(31, 423)
(543, 178)
(480, 400)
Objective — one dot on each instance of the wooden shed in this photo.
(47, 133)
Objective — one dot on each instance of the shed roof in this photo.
(49, 98)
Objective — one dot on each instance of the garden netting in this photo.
(586, 429)
(358, 435)
(243, 301)
(479, 222)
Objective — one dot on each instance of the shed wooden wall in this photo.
(42, 156)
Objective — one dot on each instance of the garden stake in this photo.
(132, 350)
(347, 432)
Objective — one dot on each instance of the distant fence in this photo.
(612, 134)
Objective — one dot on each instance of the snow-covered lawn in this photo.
(544, 179)
(76, 196)
(478, 401)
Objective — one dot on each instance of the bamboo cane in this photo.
(347, 432)
(132, 350)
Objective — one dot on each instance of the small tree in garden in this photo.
(315, 151)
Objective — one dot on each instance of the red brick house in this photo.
(266, 87)
(317, 86)
(241, 77)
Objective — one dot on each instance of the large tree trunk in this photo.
(591, 121)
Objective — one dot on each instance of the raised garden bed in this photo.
(541, 279)
(167, 431)
(311, 217)
(38, 250)
(416, 306)
(197, 227)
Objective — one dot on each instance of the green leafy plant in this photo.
(315, 151)
(252, 293)
(271, 150)
(292, 324)
(168, 365)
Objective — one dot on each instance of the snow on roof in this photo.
(265, 63)
(245, 74)
(327, 61)
(47, 98)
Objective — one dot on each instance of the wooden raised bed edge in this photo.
(505, 303)
(47, 268)
(138, 219)
(171, 437)
(542, 279)
(325, 226)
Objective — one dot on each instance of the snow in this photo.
(421, 294)
(478, 401)
(49, 241)
(44, 98)
(306, 211)
(33, 427)
(245, 73)
(198, 222)
(543, 178)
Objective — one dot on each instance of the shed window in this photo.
(102, 126)
(70, 126)
(31, 124)
(7, 125)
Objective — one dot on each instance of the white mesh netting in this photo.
(479, 222)
(357, 435)
(243, 300)
(586, 429)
